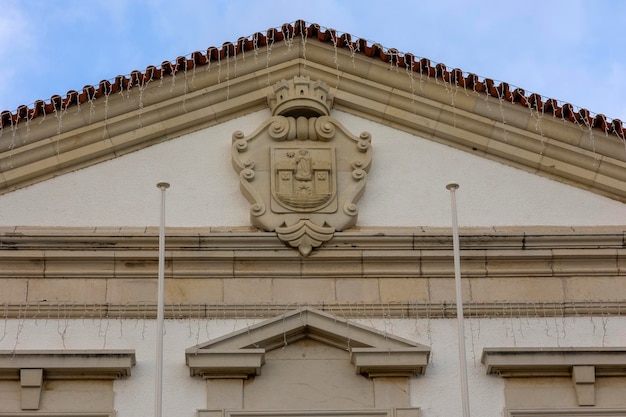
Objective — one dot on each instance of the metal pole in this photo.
(452, 187)
(158, 396)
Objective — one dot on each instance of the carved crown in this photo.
(300, 97)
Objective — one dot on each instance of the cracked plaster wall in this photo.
(437, 392)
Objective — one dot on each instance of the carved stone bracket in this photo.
(305, 235)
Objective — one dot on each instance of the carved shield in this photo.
(303, 179)
(302, 172)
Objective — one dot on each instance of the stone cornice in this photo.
(370, 362)
(363, 412)
(70, 414)
(33, 367)
(414, 238)
(389, 362)
(433, 109)
(238, 364)
(582, 365)
(207, 253)
(392, 272)
(569, 412)
(553, 362)
(68, 364)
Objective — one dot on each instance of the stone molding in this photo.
(33, 367)
(225, 364)
(395, 362)
(232, 238)
(241, 354)
(366, 87)
(572, 412)
(68, 364)
(39, 414)
(215, 253)
(395, 272)
(395, 412)
(553, 362)
(582, 365)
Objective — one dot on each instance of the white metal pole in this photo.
(158, 394)
(452, 187)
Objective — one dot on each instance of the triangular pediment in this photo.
(242, 353)
(445, 106)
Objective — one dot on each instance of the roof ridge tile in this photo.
(287, 32)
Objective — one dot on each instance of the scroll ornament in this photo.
(302, 171)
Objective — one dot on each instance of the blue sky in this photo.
(570, 50)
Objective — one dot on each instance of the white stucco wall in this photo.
(437, 392)
(406, 187)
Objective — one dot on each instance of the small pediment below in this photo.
(242, 354)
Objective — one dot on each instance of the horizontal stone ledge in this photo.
(222, 253)
(397, 362)
(553, 362)
(227, 239)
(418, 310)
(216, 364)
(288, 264)
(68, 364)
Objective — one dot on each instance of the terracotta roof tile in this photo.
(422, 66)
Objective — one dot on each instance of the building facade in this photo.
(308, 264)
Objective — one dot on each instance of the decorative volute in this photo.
(302, 171)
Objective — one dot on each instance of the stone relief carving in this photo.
(302, 171)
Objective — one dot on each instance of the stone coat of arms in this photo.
(302, 171)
